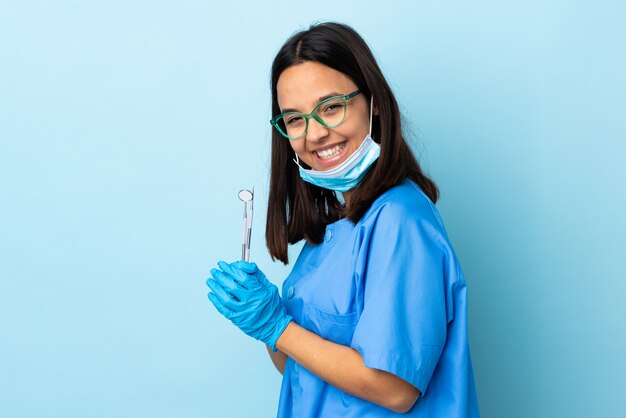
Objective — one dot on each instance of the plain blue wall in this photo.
(127, 128)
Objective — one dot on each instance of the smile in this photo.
(330, 152)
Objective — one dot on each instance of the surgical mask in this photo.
(347, 175)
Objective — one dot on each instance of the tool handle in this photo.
(245, 234)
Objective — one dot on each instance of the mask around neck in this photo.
(347, 175)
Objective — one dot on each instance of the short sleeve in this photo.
(402, 327)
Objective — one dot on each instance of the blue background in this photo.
(127, 128)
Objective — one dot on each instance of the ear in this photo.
(374, 107)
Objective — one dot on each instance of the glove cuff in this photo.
(278, 331)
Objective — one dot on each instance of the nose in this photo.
(316, 132)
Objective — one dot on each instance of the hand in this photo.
(242, 293)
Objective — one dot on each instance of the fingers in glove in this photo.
(229, 283)
(253, 270)
(237, 275)
(228, 300)
(246, 266)
(219, 305)
(243, 278)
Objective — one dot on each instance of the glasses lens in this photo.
(292, 125)
(332, 112)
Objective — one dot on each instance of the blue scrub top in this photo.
(391, 288)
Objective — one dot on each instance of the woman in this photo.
(373, 318)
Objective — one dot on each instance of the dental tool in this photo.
(246, 196)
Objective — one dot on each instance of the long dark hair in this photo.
(299, 210)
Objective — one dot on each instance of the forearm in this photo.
(343, 367)
(278, 358)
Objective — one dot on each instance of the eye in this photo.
(293, 120)
(333, 107)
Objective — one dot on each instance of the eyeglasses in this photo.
(330, 113)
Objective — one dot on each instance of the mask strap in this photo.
(371, 112)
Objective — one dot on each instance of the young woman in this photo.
(373, 317)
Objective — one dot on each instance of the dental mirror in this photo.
(245, 195)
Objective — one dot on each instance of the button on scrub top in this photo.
(391, 288)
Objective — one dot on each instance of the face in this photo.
(301, 87)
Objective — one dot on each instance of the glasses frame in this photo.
(275, 121)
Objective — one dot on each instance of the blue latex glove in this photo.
(242, 293)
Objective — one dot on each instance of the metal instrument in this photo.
(246, 196)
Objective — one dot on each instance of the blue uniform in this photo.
(391, 288)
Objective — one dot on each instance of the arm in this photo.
(278, 358)
(343, 367)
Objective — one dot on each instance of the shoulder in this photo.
(404, 204)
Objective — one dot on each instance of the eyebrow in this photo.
(328, 96)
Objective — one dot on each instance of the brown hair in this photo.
(297, 209)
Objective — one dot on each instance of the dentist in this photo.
(372, 321)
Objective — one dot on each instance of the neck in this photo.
(346, 197)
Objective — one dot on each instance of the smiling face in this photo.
(301, 87)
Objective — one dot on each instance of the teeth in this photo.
(331, 152)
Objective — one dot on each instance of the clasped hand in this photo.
(242, 293)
